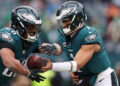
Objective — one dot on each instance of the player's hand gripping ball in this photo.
(35, 62)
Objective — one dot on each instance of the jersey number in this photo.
(8, 73)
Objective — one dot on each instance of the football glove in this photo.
(35, 76)
(48, 49)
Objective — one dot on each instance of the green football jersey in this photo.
(10, 36)
(86, 36)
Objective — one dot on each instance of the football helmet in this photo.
(73, 12)
(24, 17)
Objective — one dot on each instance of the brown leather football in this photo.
(35, 62)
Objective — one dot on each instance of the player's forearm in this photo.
(70, 66)
(82, 60)
(65, 66)
(17, 67)
(84, 55)
(8, 59)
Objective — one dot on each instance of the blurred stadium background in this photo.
(102, 14)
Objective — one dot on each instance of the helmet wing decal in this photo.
(66, 11)
(29, 17)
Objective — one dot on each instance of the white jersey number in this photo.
(8, 73)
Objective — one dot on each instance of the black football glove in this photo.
(34, 75)
(48, 49)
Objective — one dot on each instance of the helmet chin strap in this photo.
(66, 30)
(31, 38)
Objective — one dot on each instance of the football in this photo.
(35, 62)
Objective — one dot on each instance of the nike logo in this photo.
(101, 80)
(79, 71)
(79, 82)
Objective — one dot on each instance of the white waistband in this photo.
(103, 74)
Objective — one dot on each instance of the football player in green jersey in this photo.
(89, 63)
(18, 42)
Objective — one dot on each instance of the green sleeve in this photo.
(91, 36)
(7, 37)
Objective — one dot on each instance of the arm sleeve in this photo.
(91, 37)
